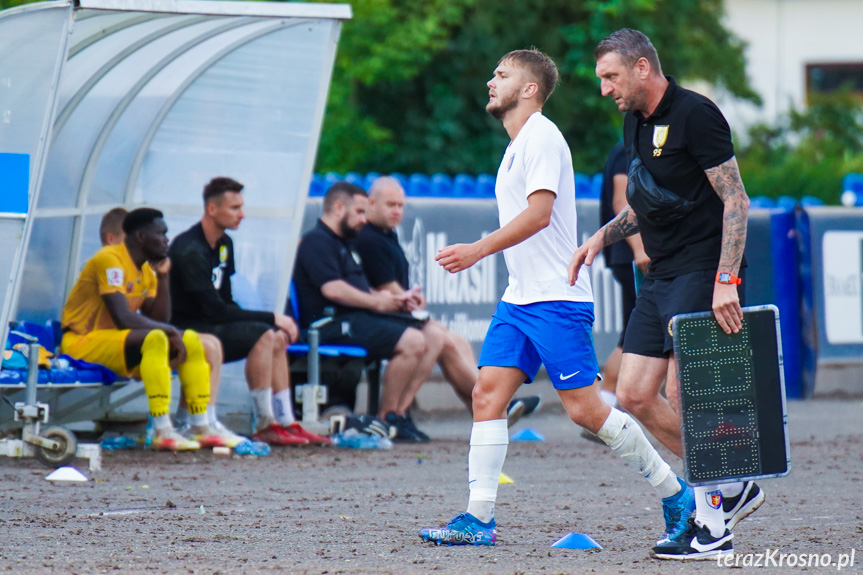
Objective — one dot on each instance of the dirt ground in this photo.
(328, 510)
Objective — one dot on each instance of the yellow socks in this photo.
(156, 372)
(195, 374)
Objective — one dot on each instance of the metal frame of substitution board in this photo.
(734, 421)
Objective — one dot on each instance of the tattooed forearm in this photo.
(625, 224)
(725, 179)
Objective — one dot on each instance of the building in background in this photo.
(794, 48)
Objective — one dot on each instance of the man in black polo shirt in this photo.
(685, 142)
(386, 268)
(201, 299)
(328, 273)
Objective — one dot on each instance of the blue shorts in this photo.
(557, 334)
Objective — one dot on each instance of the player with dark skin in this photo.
(148, 244)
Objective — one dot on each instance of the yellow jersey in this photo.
(111, 270)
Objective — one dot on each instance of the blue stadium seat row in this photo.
(482, 186)
(442, 185)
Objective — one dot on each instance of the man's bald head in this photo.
(386, 203)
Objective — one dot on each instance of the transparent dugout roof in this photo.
(142, 102)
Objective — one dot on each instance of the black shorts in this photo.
(625, 276)
(649, 329)
(238, 338)
(379, 334)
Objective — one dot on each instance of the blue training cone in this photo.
(576, 541)
(527, 435)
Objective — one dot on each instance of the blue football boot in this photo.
(464, 529)
(676, 510)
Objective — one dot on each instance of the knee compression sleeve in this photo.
(488, 444)
(156, 372)
(623, 435)
(195, 374)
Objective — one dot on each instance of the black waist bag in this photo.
(659, 206)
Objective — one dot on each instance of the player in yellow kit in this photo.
(117, 314)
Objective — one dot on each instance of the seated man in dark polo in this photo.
(386, 269)
(327, 273)
(201, 296)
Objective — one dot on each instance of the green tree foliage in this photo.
(808, 152)
(435, 120)
(388, 42)
(408, 91)
(12, 3)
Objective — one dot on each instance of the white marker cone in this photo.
(66, 474)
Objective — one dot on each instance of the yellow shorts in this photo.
(103, 346)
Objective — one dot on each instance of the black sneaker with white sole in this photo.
(736, 508)
(520, 407)
(696, 543)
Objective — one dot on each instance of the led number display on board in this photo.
(732, 397)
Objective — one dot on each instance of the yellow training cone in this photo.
(504, 479)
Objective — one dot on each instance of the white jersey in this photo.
(539, 159)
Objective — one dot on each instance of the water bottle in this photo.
(353, 439)
(258, 448)
(118, 442)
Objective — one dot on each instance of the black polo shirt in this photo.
(685, 135)
(618, 253)
(323, 257)
(201, 282)
(383, 259)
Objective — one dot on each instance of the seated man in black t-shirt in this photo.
(327, 273)
(386, 269)
(201, 299)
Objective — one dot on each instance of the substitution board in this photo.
(732, 397)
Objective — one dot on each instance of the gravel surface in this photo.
(328, 510)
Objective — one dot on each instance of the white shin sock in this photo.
(283, 407)
(623, 435)
(262, 407)
(488, 444)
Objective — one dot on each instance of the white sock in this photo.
(730, 490)
(198, 419)
(488, 443)
(182, 416)
(283, 407)
(608, 397)
(211, 415)
(708, 509)
(623, 435)
(162, 422)
(262, 407)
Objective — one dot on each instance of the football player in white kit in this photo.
(540, 319)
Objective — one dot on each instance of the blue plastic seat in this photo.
(582, 186)
(762, 202)
(355, 179)
(403, 179)
(807, 201)
(596, 186)
(370, 179)
(331, 178)
(372, 367)
(317, 187)
(441, 186)
(786, 203)
(419, 186)
(464, 186)
(485, 185)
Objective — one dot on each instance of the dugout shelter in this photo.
(107, 103)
